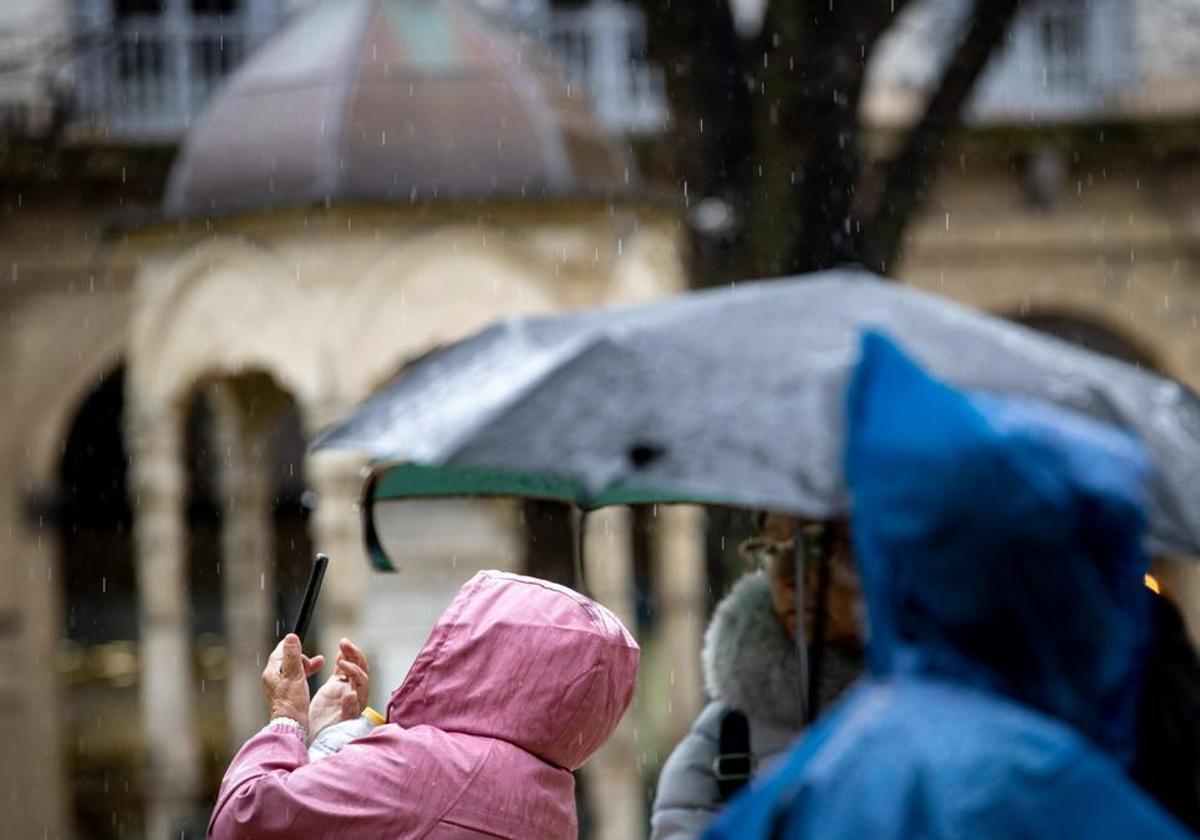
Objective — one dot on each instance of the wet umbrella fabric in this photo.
(731, 396)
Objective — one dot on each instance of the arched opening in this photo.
(98, 638)
(292, 504)
(244, 456)
(1086, 333)
(204, 518)
(98, 654)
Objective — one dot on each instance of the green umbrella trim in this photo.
(392, 482)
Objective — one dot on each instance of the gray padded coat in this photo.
(751, 665)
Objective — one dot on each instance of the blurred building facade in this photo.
(226, 222)
(176, 328)
(1071, 201)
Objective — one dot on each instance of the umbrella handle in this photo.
(820, 618)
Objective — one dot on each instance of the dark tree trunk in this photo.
(549, 541)
(911, 174)
(818, 56)
(704, 62)
(696, 45)
(772, 126)
(832, 71)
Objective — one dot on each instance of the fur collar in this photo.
(750, 664)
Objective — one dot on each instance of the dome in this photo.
(393, 101)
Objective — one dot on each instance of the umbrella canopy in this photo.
(732, 396)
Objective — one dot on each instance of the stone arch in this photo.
(433, 289)
(1112, 331)
(650, 261)
(46, 437)
(1151, 316)
(1092, 332)
(56, 409)
(227, 305)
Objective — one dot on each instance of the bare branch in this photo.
(911, 173)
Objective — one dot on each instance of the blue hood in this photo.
(1000, 544)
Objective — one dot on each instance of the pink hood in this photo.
(520, 681)
(524, 661)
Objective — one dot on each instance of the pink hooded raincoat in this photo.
(520, 681)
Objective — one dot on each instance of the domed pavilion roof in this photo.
(393, 101)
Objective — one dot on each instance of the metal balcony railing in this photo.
(602, 48)
(145, 78)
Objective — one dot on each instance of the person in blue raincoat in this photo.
(999, 542)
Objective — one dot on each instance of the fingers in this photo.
(352, 665)
(291, 660)
(275, 660)
(357, 677)
(313, 664)
(347, 650)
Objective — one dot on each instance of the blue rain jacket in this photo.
(999, 542)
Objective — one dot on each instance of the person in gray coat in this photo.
(754, 675)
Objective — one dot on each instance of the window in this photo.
(214, 7)
(1062, 37)
(134, 8)
(148, 66)
(139, 59)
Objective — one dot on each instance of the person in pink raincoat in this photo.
(519, 683)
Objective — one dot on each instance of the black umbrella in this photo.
(731, 396)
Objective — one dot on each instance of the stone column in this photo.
(614, 774)
(337, 479)
(35, 786)
(247, 567)
(679, 553)
(178, 20)
(157, 481)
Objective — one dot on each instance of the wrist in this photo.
(320, 725)
(286, 710)
(287, 724)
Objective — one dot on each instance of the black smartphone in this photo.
(315, 578)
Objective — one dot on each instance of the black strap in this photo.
(816, 649)
(734, 764)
